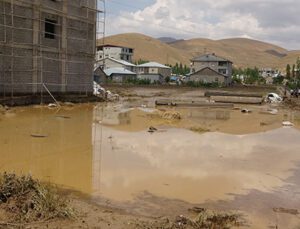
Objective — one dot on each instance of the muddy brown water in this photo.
(246, 162)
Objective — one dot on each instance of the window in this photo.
(222, 63)
(223, 71)
(50, 28)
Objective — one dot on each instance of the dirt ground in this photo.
(91, 215)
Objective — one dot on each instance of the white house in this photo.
(114, 51)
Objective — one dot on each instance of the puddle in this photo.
(106, 151)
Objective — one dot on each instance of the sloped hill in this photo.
(243, 52)
(148, 48)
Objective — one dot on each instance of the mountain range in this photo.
(241, 51)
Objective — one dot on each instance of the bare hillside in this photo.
(148, 48)
(243, 52)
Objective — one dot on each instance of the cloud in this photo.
(269, 20)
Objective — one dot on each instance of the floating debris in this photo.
(246, 111)
(171, 115)
(63, 117)
(152, 129)
(52, 105)
(39, 135)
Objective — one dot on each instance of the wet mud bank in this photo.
(45, 99)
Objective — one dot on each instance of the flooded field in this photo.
(216, 158)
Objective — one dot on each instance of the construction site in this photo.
(47, 47)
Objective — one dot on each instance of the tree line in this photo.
(294, 71)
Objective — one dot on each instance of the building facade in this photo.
(119, 75)
(153, 71)
(47, 44)
(218, 64)
(208, 75)
(115, 52)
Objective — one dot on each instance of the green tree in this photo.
(298, 68)
(288, 71)
(293, 71)
(167, 79)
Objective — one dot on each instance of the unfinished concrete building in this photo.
(47, 46)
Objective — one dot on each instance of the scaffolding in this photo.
(48, 46)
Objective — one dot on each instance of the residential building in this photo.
(266, 72)
(47, 44)
(119, 75)
(215, 64)
(208, 75)
(110, 62)
(153, 71)
(115, 52)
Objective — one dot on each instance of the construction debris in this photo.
(24, 200)
(106, 94)
(237, 99)
(232, 93)
(171, 115)
(168, 102)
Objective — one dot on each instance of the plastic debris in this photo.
(246, 111)
(152, 129)
(102, 92)
(52, 105)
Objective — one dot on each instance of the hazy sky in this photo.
(275, 21)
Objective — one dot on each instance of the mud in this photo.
(219, 159)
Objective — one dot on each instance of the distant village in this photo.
(114, 64)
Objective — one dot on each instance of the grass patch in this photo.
(24, 200)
